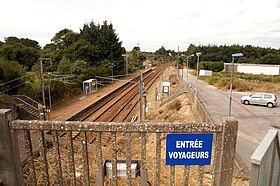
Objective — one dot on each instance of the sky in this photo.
(149, 23)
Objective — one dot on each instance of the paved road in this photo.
(254, 121)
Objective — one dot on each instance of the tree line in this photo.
(251, 54)
(222, 54)
(96, 50)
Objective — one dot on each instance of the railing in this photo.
(73, 162)
(265, 161)
(198, 105)
(27, 100)
(181, 89)
(29, 105)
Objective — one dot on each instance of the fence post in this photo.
(10, 165)
(228, 148)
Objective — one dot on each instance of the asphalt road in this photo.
(254, 121)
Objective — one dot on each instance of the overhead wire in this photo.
(14, 80)
(13, 87)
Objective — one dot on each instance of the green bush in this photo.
(215, 66)
(244, 82)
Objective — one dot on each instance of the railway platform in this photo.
(72, 106)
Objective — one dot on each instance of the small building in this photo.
(205, 72)
(253, 68)
(90, 86)
(147, 64)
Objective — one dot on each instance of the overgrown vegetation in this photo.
(216, 66)
(95, 50)
(221, 54)
(254, 55)
(245, 82)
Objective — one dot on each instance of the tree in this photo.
(161, 52)
(104, 45)
(12, 72)
(64, 66)
(270, 59)
(1, 43)
(64, 38)
(25, 51)
(223, 53)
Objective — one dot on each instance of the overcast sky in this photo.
(151, 23)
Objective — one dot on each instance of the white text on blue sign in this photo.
(189, 149)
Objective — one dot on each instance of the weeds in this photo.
(245, 82)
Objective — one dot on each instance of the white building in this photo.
(253, 68)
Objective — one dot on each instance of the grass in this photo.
(244, 82)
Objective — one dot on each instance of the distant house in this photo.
(253, 68)
(147, 64)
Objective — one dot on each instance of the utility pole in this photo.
(43, 85)
(145, 103)
(156, 95)
(178, 61)
(42, 82)
(126, 60)
(50, 99)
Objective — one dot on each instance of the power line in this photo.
(13, 87)
(14, 80)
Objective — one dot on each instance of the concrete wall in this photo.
(258, 69)
(10, 174)
(205, 72)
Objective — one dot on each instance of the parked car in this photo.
(268, 99)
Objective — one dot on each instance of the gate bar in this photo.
(28, 147)
(42, 147)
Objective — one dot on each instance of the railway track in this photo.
(118, 106)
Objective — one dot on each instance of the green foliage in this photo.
(95, 50)
(270, 59)
(24, 51)
(10, 70)
(64, 38)
(32, 86)
(64, 66)
(224, 52)
(142, 56)
(94, 44)
(214, 66)
(161, 52)
(245, 82)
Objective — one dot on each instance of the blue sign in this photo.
(237, 55)
(188, 149)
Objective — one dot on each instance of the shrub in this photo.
(214, 66)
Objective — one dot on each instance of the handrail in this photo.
(263, 147)
(265, 168)
(26, 103)
(27, 98)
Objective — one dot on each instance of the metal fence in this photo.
(52, 159)
(265, 161)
